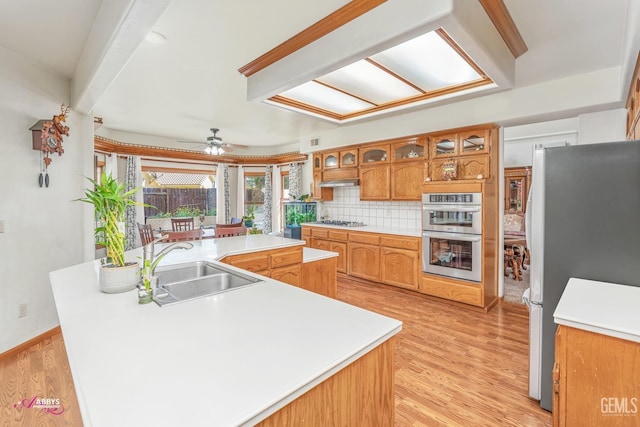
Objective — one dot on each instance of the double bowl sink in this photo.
(183, 282)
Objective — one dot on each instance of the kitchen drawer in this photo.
(320, 232)
(367, 238)
(338, 235)
(288, 257)
(443, 288)
(410, 243)
(253, 262)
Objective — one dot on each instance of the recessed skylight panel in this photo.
(369, 82)
(324, 97)
(429, 62)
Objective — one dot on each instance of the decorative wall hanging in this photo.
(450, 170)
(47, 137)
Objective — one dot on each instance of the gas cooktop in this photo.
(341, 223)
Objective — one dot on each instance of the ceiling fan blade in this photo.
(192, 142)
(240, 146)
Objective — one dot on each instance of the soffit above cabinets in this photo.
(424, 53)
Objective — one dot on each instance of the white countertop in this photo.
(373, 229)
(225, 360)
(312, 254)
(604, 308)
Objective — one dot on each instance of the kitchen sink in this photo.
(183, 282)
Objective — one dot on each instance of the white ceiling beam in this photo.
(119, 28)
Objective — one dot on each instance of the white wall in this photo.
(603, 126)
(520, 140)
(44, 229)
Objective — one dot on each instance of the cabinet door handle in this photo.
(556, 377)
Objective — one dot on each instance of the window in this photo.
(253, 193)
(178, 192)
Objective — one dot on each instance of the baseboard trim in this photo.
(33, 341)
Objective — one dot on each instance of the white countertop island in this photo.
(229, 359)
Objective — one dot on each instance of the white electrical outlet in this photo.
(22, 309)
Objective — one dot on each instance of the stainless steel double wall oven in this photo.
(452, 235)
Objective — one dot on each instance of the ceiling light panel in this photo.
(429, 62)
(324, 97)
(365, 80)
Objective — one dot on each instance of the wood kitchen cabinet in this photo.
(320, 193)
(349, 158)
(317, 161)
(409, 149)
(374, 154)
(407, 180)
(466, 141)
(517, 182)
(470, 167)
(330, 160)
(400, 261)
(364, 256)
(332, 240)
(280, 264)
(375, 182)
(596, 380)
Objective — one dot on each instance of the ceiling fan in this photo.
(214, 144)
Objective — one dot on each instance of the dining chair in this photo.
(182, 224)
(178, 236)
(229, 230)
(146, 233)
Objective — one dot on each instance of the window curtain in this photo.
(133, 175)
(266, 228)
(295, 176)
(240, 196)
(227, 198)
(222, 193)
(276, 195)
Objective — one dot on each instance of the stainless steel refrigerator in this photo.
(584, 222)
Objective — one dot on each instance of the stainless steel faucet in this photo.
(149, 262)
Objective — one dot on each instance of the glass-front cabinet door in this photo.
(349, 158)
(443, 145)
(330, 160)
(473, 142)
(374, 154)
(411, 149)
(317, 161)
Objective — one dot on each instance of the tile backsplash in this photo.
(347, 206)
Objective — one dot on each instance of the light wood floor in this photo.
(454, 366)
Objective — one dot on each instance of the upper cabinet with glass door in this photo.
(475, 141)
(317, 161)
(373, 154)
(410, 149)
(349, 158)
(330, 160)
(466, 142)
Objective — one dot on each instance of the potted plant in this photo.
(250, 216)
(110, 200)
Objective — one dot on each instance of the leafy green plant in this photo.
(110, 200)
(186, 211)
(212, 212)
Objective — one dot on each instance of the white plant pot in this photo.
(119, 279)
